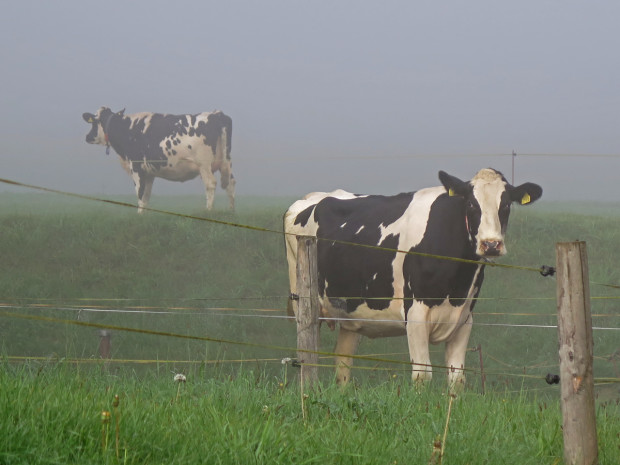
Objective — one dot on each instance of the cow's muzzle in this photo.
(492, 248)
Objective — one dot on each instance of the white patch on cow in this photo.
(137, 117)
(443, 320)
(366, 321)
(488, 189)
(412, 224)
(410, 227)
(359, 230)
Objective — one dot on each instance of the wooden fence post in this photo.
(104, 344)
(307, 309)
(482, 376)
(575, 350)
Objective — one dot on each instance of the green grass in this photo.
(52, 414)
(85, 262)
(71, 256)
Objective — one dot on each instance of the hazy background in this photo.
(367, 96)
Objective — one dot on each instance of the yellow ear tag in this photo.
(90, 120)
(526, 199)
(451, 192)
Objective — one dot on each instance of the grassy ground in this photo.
(89, 262)
(52, 414)
(82, 262)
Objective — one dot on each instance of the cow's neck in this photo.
(106, 127)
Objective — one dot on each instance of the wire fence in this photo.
(18, 310)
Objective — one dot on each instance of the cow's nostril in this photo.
(492, 247)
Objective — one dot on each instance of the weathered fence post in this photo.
(482, 376)
(307, 309)
(104, 343)
(575, 350)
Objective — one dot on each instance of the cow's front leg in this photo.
(143, 184)
(417, 339)
(346, 344)
(456, 349)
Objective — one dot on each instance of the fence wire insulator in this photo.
(293, 296)
(552, 379)
(295, 363)
(546, 270)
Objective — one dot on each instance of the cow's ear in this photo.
(88, 117)
(121, 113)
(526, 193)
(454, 186)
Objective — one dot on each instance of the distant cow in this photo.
(378, 293)
(173, 147)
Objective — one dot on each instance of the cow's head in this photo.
(488, 197)
(100, 124)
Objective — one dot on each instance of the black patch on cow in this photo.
(303, 217)
(357, 274)
(504, 210)
(431, 280)
(212, 130)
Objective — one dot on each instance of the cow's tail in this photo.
(222, 153)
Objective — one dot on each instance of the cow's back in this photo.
(299, 221)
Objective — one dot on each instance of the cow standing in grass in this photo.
(173, 147)
(401, 291)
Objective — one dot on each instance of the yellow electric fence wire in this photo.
(257, 228)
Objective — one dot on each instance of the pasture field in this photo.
(70, 267)
(52, 414)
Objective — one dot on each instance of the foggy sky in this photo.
(372, 97)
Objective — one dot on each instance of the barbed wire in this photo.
(254, 228)
(543, 269)
(213, 312)
(406, 371)
(226, 341)
(43, 301)
(261, 229)
(367, 358)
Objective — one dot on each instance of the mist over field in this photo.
(368, 97)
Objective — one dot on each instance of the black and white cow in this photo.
(173, 147)
(378, 293)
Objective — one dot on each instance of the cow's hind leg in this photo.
(144, 186)
(455, 356)
(208, 178)
(230, 190)
(346, 345)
